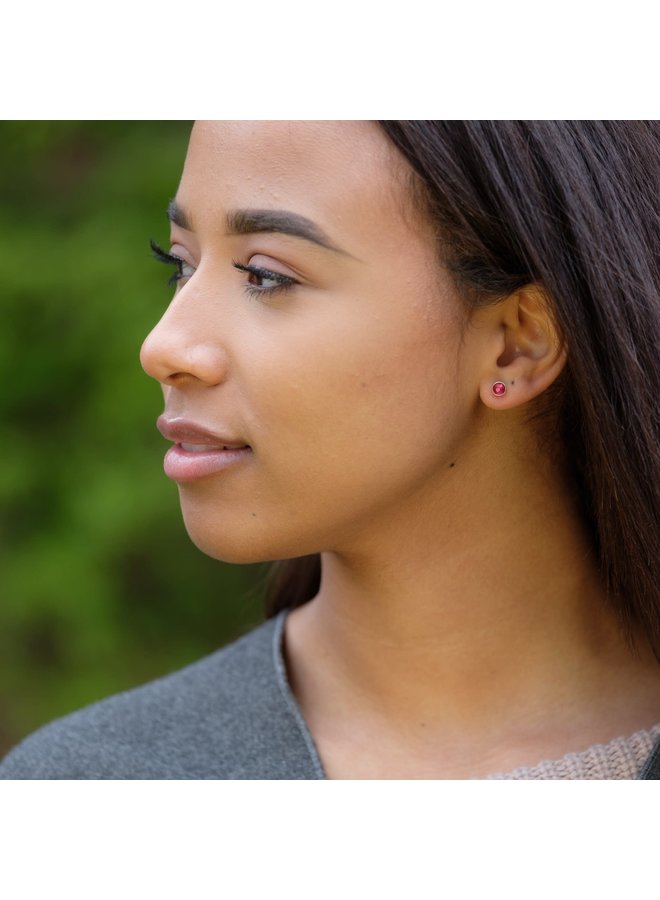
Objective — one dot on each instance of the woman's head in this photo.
(344, 368)
(356, 361)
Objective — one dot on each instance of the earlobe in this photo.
(530, 352)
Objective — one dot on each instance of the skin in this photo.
(460, 628)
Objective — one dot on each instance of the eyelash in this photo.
(283, 281)
(170, 260)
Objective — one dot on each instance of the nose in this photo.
(182, 348)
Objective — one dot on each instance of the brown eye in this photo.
(263, 281)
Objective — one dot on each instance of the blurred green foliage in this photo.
(100, 587)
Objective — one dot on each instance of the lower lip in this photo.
(183, 465)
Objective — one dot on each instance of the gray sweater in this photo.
(229, 716)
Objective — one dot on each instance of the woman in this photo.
(418, 363)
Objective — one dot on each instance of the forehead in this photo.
(345, 175)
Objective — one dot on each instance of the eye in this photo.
(263, 281)
(183, 269)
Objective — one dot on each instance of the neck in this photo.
(471, 621)
(454, 620)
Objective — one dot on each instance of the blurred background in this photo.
(100, 586)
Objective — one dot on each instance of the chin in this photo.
(230, 549)
(239, 545)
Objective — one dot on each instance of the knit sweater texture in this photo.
(232, 715)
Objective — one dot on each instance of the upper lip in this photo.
(179, 429)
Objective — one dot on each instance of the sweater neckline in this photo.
(622, 758)
(620, 754)
(282, 679)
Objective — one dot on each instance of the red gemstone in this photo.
(499, 388)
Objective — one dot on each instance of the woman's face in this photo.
(312, 327)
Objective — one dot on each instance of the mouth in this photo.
(198, 452)
(210, 448)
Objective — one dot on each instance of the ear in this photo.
(527, 352)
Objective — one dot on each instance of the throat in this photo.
(383, 709)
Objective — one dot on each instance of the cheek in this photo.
(360, 403)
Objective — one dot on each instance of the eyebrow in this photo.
(254, 221)
(177, 216)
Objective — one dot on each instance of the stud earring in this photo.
(499, 389)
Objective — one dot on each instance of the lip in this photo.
(179, 429)
(183, 465)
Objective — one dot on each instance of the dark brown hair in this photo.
(571, 206)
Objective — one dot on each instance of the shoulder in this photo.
(225, 716)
